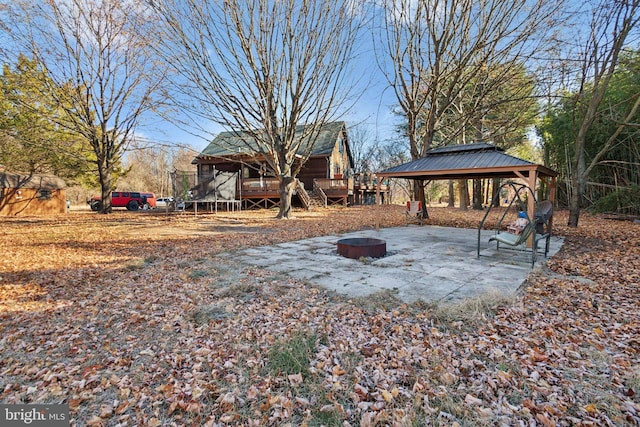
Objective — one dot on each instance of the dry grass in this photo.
(472, 312)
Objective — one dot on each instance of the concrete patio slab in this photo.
(428, 263)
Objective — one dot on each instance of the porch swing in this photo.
(515, 227)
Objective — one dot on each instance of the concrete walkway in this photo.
(425, 263)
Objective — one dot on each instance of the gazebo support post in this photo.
(378, 203)
(531, 203)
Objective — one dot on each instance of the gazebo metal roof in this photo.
(469, 161)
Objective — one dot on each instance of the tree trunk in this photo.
(464, 194)
(575, 199)
(574, 209)
(494, 192)
(452, 196)
(477, 194)
(287, 184)
(578, 180)
(106, 183)
(418, 191)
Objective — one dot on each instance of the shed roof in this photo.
(228, 144)
(26, 180)
(468, 161)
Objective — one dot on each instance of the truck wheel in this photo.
(133, 205)
(96, 206)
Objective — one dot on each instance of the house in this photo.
(323, 180)
(28, 194)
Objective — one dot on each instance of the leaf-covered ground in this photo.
(136, 320)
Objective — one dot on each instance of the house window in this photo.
(341, 146)
(44, 194)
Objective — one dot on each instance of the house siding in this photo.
(315, 167)
(339, 160)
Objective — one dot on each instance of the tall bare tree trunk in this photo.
(494, 192)
(286, 194)
(463, 190)
(452, 196)
(105, 173)
(418, 191)
(477, 194)
(578, 185)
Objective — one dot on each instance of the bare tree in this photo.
(150, 164)
(440, 48)
(262, 68)
(363, 146)
(102, 73)
(611, 26)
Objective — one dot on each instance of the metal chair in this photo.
(413, 213)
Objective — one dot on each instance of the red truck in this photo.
(132, 200)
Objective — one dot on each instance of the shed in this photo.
(29, 194)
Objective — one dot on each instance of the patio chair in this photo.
(413, 213)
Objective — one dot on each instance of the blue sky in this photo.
(373, 110)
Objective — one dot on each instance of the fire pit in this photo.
(362, 247)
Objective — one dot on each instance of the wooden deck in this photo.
(337, 191)
(260, 193)
(265, 192)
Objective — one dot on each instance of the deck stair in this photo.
(316, 202)
(310, 200)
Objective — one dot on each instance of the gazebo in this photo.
(474, 161)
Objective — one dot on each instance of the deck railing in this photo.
(332, 184)
(260, 185)
(371, 186)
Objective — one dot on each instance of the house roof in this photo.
(26, 180)
(227, 144)
(469, 161)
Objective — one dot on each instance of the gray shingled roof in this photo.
(228, 144)
(458, 161)
(25, 180)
